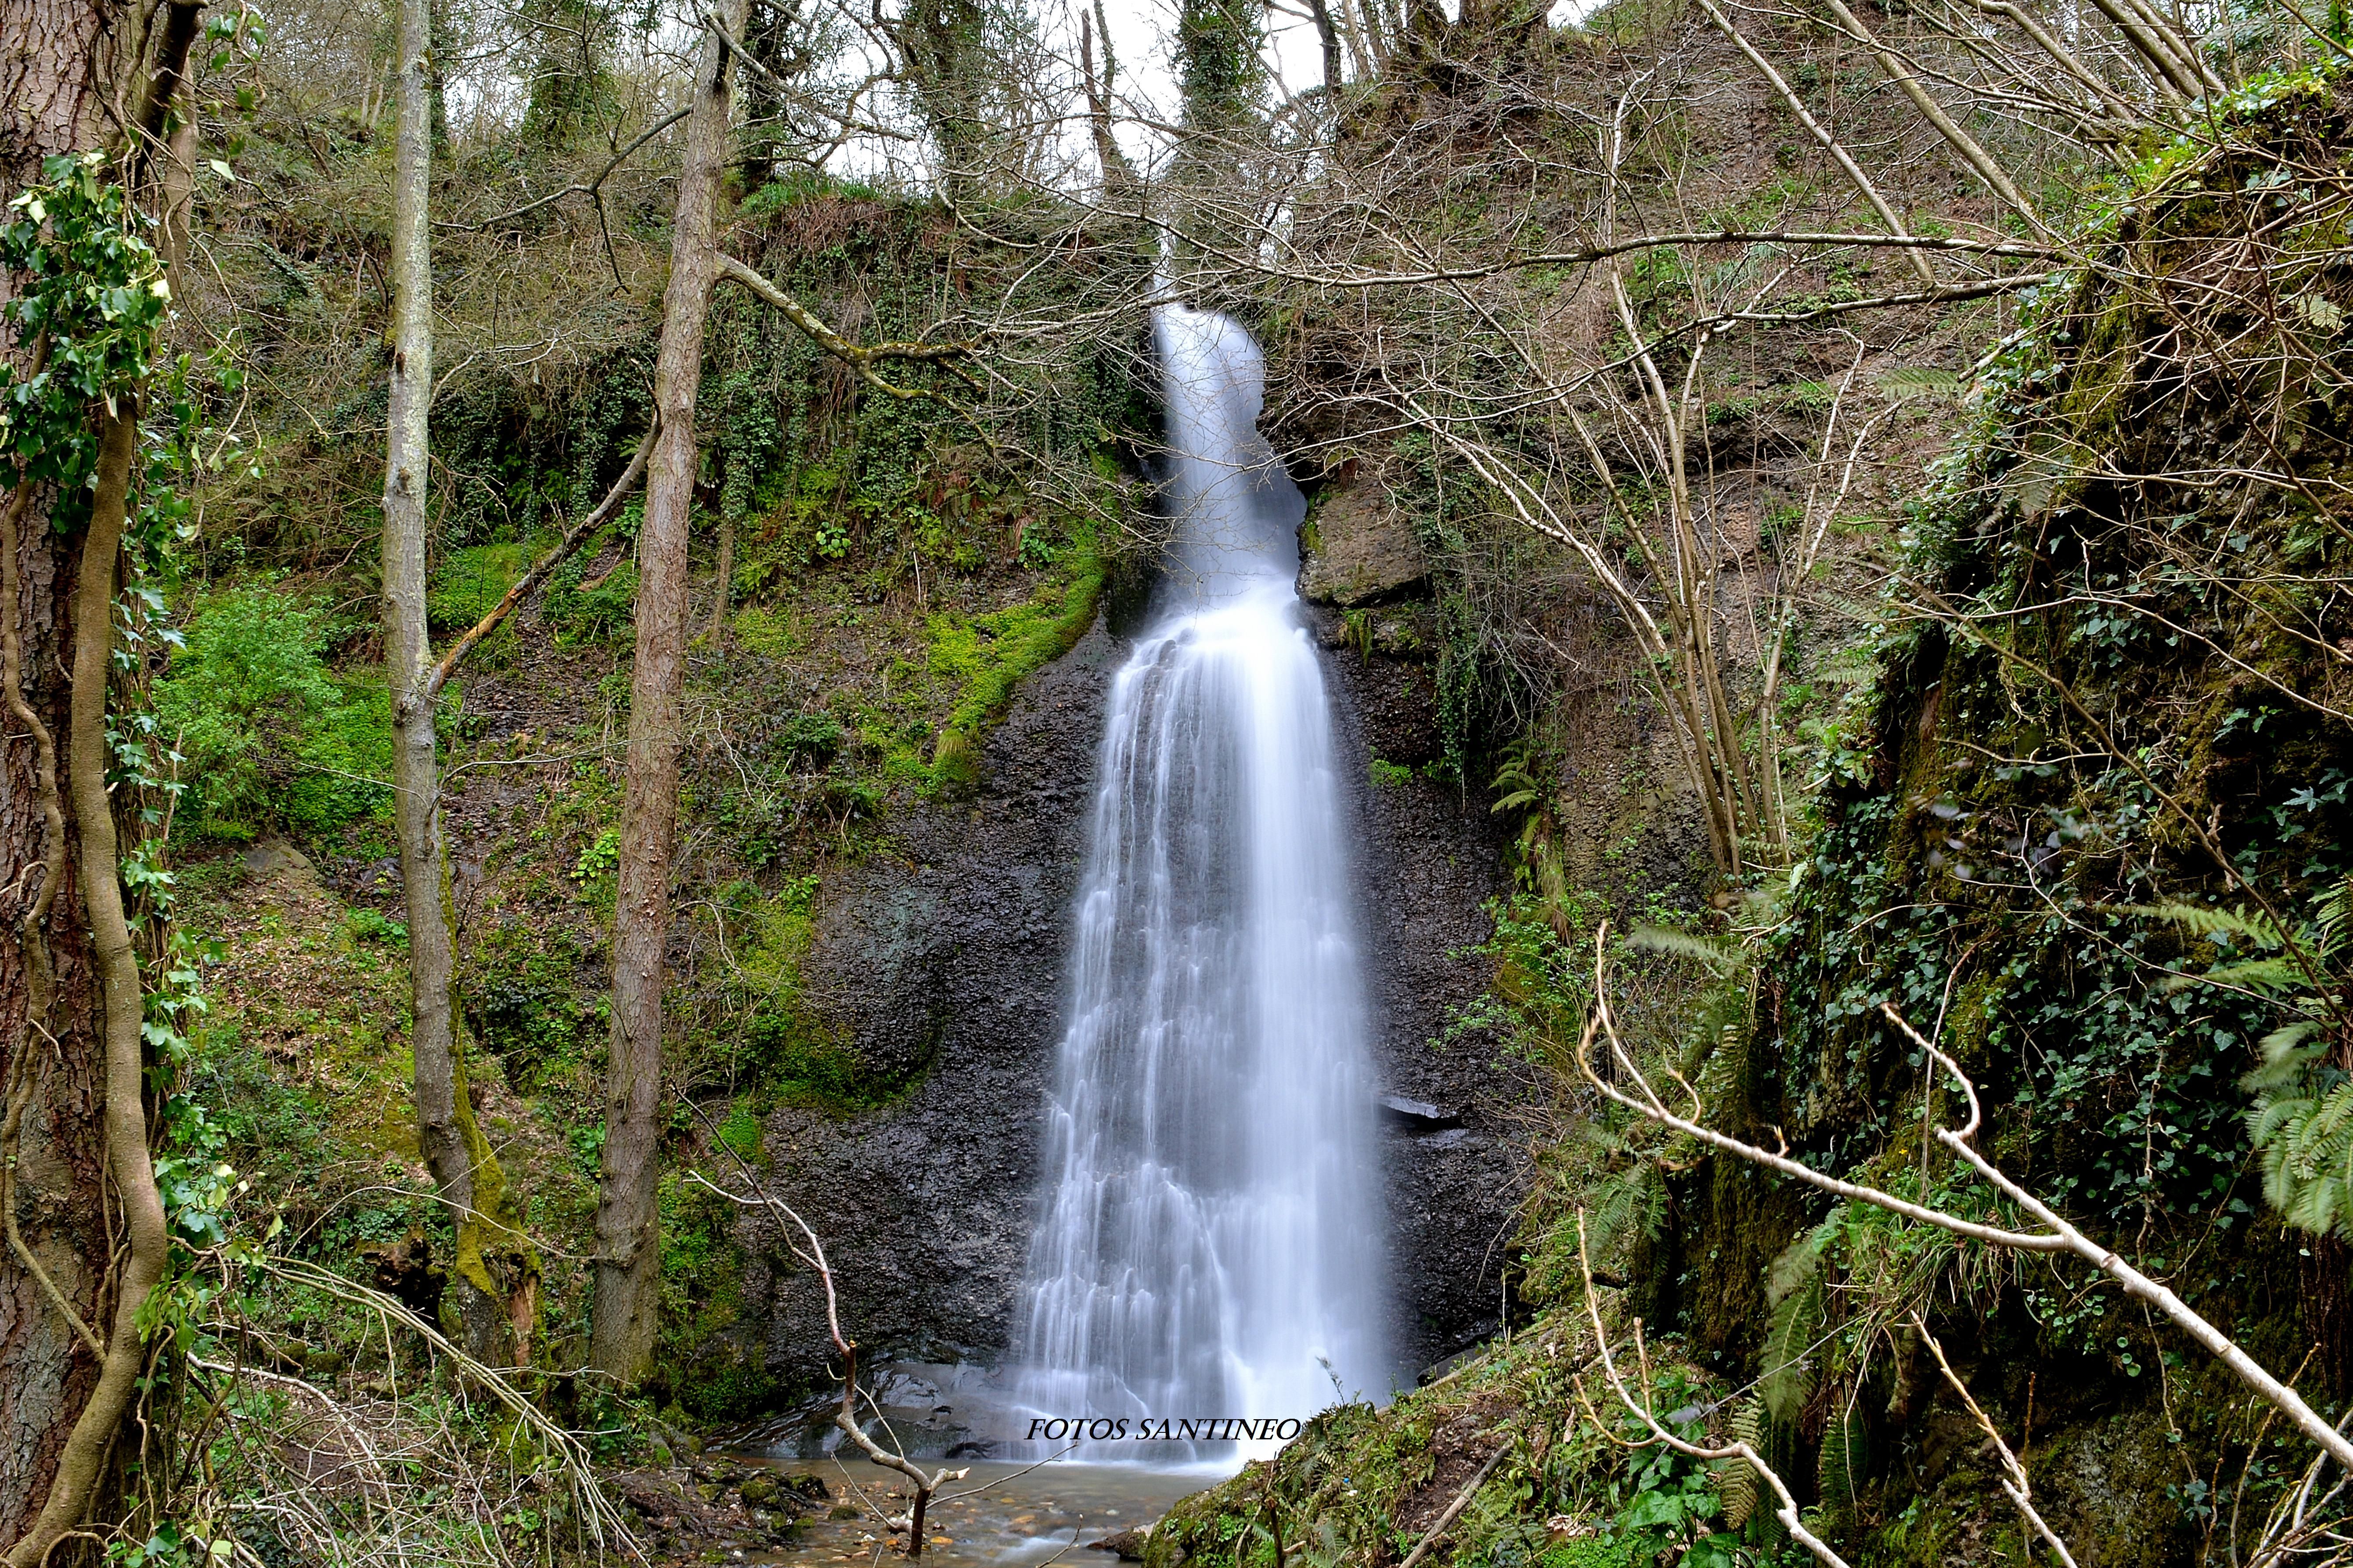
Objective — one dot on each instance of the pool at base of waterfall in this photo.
(1000, 1512)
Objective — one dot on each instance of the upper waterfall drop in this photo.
(1211, 1236)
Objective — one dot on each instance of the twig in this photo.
(2014, 1483)
(2058, 1236)
(1461, 1501)
(860, 359)
(606, 510)
(590, 189)
(1787, 1513)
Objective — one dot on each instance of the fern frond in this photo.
(2279, 1047)
(1620, 1206)
(1793, 1288)
(1845, 1457)
(2200, 919)
(1789, 1371)
(1735, 1478)
(1683, 945)
(1800, 1261)
(1913, 380)
(2304, 1146)
(2254, 974)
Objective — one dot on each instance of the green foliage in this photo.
(374, 926)
(169, 1545)
(1844, 1464)
(709, 1370)
(596, 611)
(1737, 1487)
(600, 860)
(271, 738)
(740, 1131)
(2301, 1122)
(1219, 70)
(472, 581)
(1794, 1292)
(93, 295)
(525, 1004)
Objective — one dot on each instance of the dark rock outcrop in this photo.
(945, 956)
(1431, 858)
(1362, 549)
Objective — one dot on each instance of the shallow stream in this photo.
(1001, 1512)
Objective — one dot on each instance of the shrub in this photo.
(271, 739)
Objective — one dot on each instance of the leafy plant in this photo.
(2301, 1122)
(270, 738)
(374, 925)
(600, 860)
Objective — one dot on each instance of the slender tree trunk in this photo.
(492, 1279)
(1328, 38)
(628, 1249)
(1117, 176)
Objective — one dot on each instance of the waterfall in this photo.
(1210, 1239)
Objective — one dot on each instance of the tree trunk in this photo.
(1117, 177)
(1327, 38)
(50, 94)
(629, 1250)
(82, 1470)
(492, 1279)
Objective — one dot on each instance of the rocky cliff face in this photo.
(948, 957)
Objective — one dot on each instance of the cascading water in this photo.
(1210, 1240)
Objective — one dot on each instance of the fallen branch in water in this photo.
(846, 1417)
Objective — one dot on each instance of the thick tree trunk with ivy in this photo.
(86, 1228)
(52, 1065)
(493, 1279)
(628, 1249)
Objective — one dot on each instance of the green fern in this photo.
(1915, 379)
(2276, 974)
(1735, 1478)
(2284, 1061)
(2304, 1143)
(1845, 1457)
(1517, 778)
(2302, 1120)
(1716, 955)
(1623, 1205)
(1794, 1290)
(2199, 919)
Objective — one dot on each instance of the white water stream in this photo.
(1210, 1244)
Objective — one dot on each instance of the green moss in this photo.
(987, 655)
(772, 634)
(471, 581)
(740, 1131)
(705, 1366)
(272, 738)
